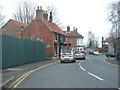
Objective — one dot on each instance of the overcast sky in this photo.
(86, 15)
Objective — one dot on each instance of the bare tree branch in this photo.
(92, 40)
(25, 12)
(113, 14)
(2, 17)
(55, 16)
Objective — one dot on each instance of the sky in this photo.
(85, 15)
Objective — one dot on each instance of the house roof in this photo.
(73, 34)
(42, 25)
(18, 24)
(55, 28)
(109, 40)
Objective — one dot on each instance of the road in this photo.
(90, 73)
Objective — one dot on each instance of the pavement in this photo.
(113, 61)
(9, 75)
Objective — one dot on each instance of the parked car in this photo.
(79, 55)
(96, 53)
(91, 52)
(67, 57)
(110, 54)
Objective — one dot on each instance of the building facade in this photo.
(42, 28)
(74, 38)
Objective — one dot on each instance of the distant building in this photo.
(109, 42)
(74, 38)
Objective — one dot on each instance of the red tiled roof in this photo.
(19, 23)
(109, 39)
(43, 25)
(50, 25)
(74, 34)
(54, 28)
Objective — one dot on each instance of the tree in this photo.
(114, 18)
(55, 16)
(113, 13)
(25, 12)
(92, 40)
(2, 17)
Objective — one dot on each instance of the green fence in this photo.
(0, 51)
(17, 51)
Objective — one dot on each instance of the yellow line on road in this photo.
(111, 63)
(20, 79)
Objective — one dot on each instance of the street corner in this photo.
(112, 61)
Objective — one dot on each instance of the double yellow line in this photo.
(20, 79)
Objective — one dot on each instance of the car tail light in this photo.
(62, 56)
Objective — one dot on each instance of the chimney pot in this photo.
(68, 28)
(45, 15)
(37, 7)
(40, 7)
(73, 28)
(76, 29)
(50, 18)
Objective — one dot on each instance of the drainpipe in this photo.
(59, 47)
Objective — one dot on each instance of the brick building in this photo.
(74, 38)
(109, 42)
(45, 30)
(13, 28)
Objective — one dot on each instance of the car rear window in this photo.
(66, 54)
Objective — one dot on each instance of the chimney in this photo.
(39, 13)
(50, 18)
(68, 28)
(76, 30)
(45, 15)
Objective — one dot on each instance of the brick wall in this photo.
(11, 29)
(73, 41)
(37, 29)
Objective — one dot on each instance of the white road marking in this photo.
(89, 72)
(95, 76)
(82, 68)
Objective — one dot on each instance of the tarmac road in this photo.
(93, 72)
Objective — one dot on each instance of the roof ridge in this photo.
(53, 27)
(47, 25)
